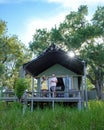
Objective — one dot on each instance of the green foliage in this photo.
(1, 69)
(62, 118)
(98, 18)
(94, 53)
(2, 27)
(13, 54)
(20, 86)
(55, 36)
(73, 27)
(90, 86)
(40, 41)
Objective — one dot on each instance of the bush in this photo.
(20, 86)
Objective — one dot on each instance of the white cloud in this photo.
(65, 3)
(74, 4)
(34, 24)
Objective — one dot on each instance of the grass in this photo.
(62, 118)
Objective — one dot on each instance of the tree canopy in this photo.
(13, 54)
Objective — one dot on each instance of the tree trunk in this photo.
(97, 80)
(98, 90)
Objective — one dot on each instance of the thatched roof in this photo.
(51, 56)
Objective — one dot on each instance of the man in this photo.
(53, 84)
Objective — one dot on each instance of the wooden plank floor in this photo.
(56, 99)
(9, 99)
(52, 100)
(43, 99)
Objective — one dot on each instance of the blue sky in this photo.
(23, 17)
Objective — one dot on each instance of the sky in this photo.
(23, 17)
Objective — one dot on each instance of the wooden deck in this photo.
(36, 97)
(50, 99)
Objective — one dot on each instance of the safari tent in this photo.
(69, 71)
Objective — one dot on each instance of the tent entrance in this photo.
(60, 87)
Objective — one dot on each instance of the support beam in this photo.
(84, 83)
(32, 102)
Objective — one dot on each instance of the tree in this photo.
(98, 19)
(93, 52)
(40, 41)
(73, 28)
(95, 61)
(83, 36)
(13, 54)
(2, 27)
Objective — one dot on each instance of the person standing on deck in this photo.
(53, 84)
(44, 87)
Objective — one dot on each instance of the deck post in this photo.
(32, 102)
(84, 83)
(49, 94)
(66, 86)
(39, 87)
(79, 102)
(25, 103)
(82, 94)
(53, 103)
(79, 105)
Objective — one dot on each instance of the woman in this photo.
(44, 87)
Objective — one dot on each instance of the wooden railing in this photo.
(61, 96)
(8, 96)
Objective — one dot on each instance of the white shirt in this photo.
(53, 81)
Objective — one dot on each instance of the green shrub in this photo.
(20, 86)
